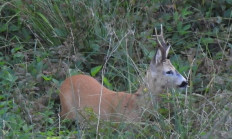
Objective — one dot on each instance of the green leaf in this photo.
(13, 28)
(60, 32)
(203, 133)
(230, 45)
(3, 27)
(185, 12)
(229, 1)
(228, 13)
(25, 127)
(17, 48)
(3, 110)
(176, 16)
(47, 78)
(2, 63)
(186, 27)
(11, 77)
(56, 82)
(53, 137)
(94, 46)
(2, 97)
(95, 70)
(50, 120)
(18, 55)
(107, 83)
(207, 40)
(179, 26)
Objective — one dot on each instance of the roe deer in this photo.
(81, 91)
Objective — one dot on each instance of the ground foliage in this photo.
(44, 41)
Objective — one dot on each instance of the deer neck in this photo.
(149, 92)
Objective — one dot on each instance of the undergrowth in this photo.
(43, 41)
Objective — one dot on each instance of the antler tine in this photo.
(162, 34)
(161, 42)
(160, 38)
(161, 28)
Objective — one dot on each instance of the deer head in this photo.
(162, 74)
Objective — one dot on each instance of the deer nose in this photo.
(183, 84)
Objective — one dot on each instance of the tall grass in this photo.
(43, 41)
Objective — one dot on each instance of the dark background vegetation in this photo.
(44, 41)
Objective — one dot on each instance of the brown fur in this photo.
(81, 91)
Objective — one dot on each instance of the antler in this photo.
(161, 43)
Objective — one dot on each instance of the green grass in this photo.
(43, 41)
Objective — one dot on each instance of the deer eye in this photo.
(169, 72)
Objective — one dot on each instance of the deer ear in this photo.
(157, 57)
(167, 49)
